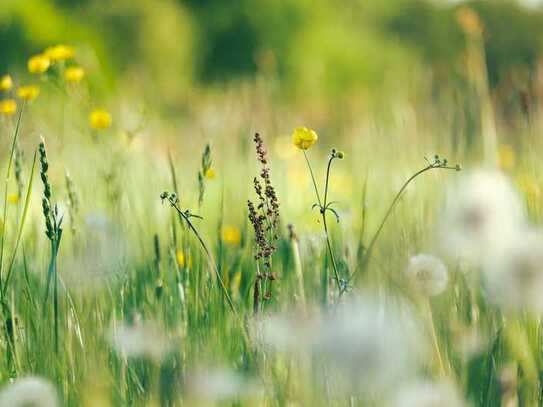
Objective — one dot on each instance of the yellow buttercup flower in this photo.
(59, 52)
(100, 119)
(231, 235)
(6, 83)
(29, 92)
(13, 198)
(303, 138)
(8, 107)
(38, 64)
(74, 74)
(210, 173)
(182, 260)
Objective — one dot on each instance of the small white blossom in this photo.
(369, 345)
(427, 274)
(514, 278)
(481, 214)
(428, 394)
(29, 392)
(220, 384)
(139, 339)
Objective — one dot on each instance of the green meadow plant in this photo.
(53, 230)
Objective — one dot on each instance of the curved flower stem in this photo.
(313, 178)
(431, 166)
(191, 226)
(322, 208)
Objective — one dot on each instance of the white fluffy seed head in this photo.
(29, 391)
(482, 212)
(428, 394)
(427, 274)
(514, 278)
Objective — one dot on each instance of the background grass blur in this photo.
(389, 82)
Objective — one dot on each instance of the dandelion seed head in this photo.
(220, 384)
(27, 392)
(428, 394)
(514, 278)
(139, 339)
(481, 214)
(428, 274)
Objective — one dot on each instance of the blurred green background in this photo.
(313, 49)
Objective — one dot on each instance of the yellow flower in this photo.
(506, 157)
(6, 83)
(29, 92)
(8, 107)
(303, 138)
(210, 173)
(74, 74)
(13, 198)
(59, 52)
(231, 235)
(181, 259)
(38, 64)
(100, 119)
(469, 20)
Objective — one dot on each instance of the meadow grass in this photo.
(150, 299)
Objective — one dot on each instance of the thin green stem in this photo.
(396, 199)
(327, 180)
(209, 256)
(312, 178)
(8, 174)
(322, 209)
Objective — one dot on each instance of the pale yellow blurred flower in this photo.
(74, 74)
(231, 235)
(13, 198)
(8, 107)
(506, 157)
(469, 20)
(180, 257)
(211, 173)
(59, 52)
(100, 119)
(38, 64)
(6, 83)
(29, 92)
(303, 138)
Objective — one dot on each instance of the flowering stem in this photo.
(312, 177)
(434, 165)
(322, 208)
(191, 226)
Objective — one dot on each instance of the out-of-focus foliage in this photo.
(314, 48)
